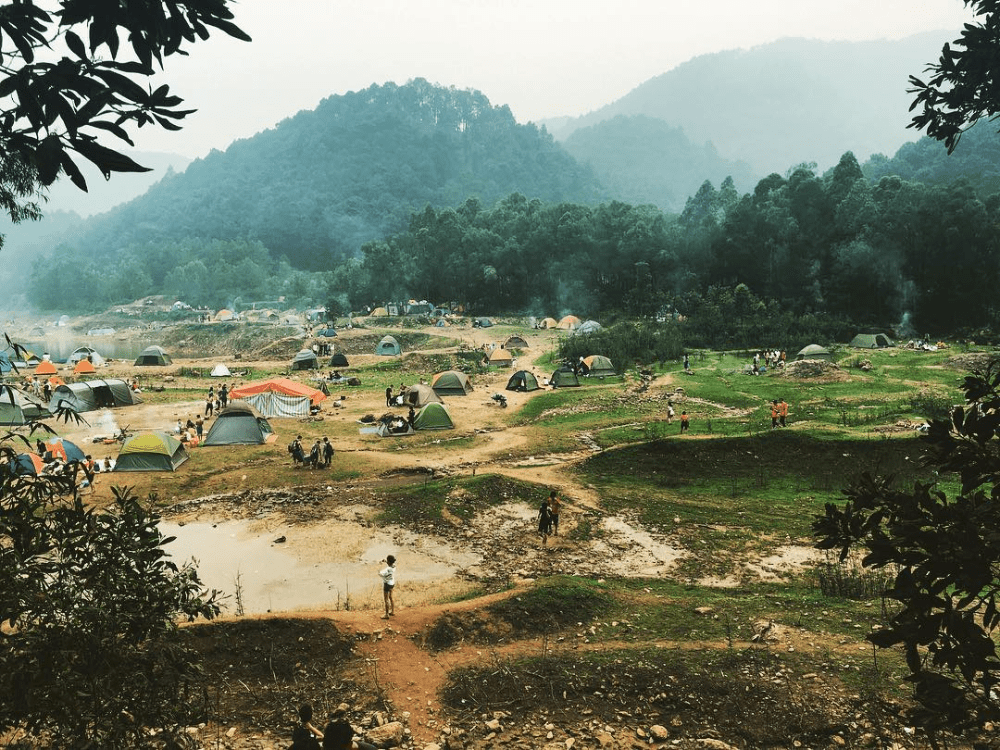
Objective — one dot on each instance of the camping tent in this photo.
(84, 367)
(64, 449)
(379, 312)
(17, 407)
(45, 367)
(499, 357)
(451, 383)
(548, 323)
(279, 397)
(420, 395)
(94, 394)
(522, 380)
(338, 360)
(591, 326)
(515, 342)
(85, 352)
(871, 341)
(305, 360)
(482, 323)
(386, 429)
(564, 377)
(224, 315)
(152, 356)
(220, 371)
(388, 347)
(151, 451)
(568, 323)
(432, 417)
(239, 424)
(27, 464)
(597, 366)
(814, 351)
(327, 333)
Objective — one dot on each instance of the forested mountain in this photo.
(975, 159)
(784, 103)
(641, 160)
(321, 183)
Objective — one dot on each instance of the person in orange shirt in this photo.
(782, 412)
(685, 422)
(774, 414)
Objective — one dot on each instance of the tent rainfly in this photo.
(591, 326)
(522, 380)
(433, 417)
(338, 360)
(515, 342)
(91, 395)
(871, 341)
(151, 451)
(17, 407)
(568, 323)
(239, 424)
(305, 360)
(388, 347)
(84, 367)
(152, 356)
(451, 383)
(85, 352)
(814, 351)
(597, 366)
(45, 367)
(564, 377)
(279, 397)
(420, 395)
(499, 357)
(220, 371)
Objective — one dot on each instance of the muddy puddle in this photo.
(331, 565)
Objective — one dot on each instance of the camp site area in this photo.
(679, 558)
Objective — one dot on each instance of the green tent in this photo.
(152, 356)
(597, 366)
(451, 383)
(564, 377)
(814, 351)
(239, 424)
(151, 451)
(338, 360)
(17, 407)
(871, 341)
(432, 417)
(522, 380)
(388, 347)
(305, 360)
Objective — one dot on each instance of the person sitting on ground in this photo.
(339, 735)
(305, 736)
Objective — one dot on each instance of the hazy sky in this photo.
(543, 58)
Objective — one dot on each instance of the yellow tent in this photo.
(548, 323)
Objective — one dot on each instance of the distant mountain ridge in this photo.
(784, 103)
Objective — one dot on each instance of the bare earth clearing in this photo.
(312, 542)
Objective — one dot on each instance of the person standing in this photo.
(782, 412)
(685, 422)
(555, 504)
(670, 412)
(774, 414)
(199, 426)
(544, 520)
(327, 451)
(388, 576)
(388, 396)
(209, 405)
(687, 363)
(223, 395)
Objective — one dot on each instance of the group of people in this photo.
(337, 735)
(767, 358)
(548, 516)
(685, 419)
(779, 411)
(216, 402)
(320, 454)
(398, 399)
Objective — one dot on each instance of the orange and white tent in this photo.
(279, 397)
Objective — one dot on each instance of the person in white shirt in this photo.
(388, 576)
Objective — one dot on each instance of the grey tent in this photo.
(590, 326)
(482, 323)
(814, 351)
(327, 333)
(388, 347)
(522, 380)
(398, 428)
(564, 377)
(85, 352)
(94, 394)
(151, 451)
(420, 395)
(17, 407)
(6, 365)
(305, 360)
(239, 424)
(338, 360)
(871, 341)
(451, 383)
(152, 356)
